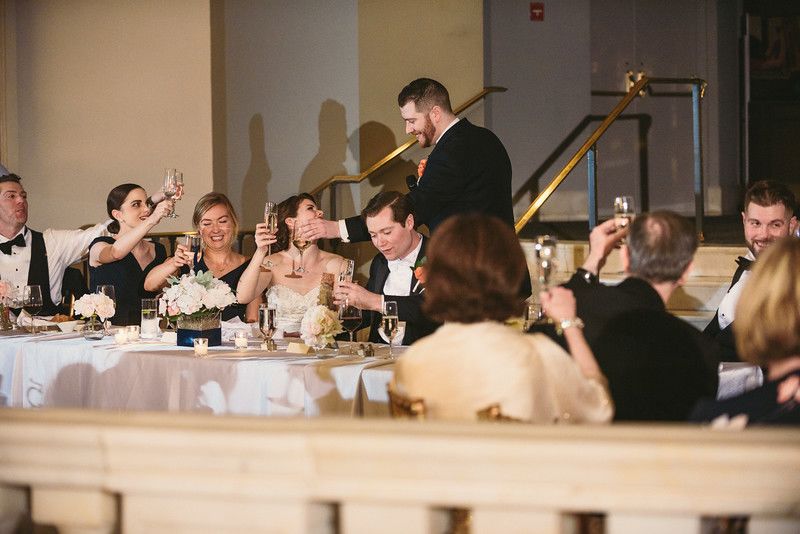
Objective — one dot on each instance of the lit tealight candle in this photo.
(121, 336)
(201, 346)
(133, 332)
(240, 340)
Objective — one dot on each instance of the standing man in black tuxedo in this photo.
(769, 214)
(390, 223)
(468, 170)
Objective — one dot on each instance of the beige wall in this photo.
(109, 92)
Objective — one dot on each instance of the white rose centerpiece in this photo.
(196, 300)
(318, 328)
(93, 306)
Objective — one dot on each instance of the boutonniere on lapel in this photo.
(421, 167)
(419, 273)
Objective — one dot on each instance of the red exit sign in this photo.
(537, 11)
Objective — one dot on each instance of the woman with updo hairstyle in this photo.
(767, 333)
(216, 222)
(125, 258)
(474, 269)
(292, 284)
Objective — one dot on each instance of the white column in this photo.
(368, 518)
(621, 523)
(74, 511)
(489, 520)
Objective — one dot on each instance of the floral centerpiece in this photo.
(94, 306)
(195, 300)
(318, 328)
(6, 296)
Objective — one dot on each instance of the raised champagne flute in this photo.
(193, 243)
(350, 317)
(301, 243)
(545, 248)
(267, 325)
(271, 220)
(170, 187)
(178, 192)
(346, 270)
(389, 323)
(623, 211)
(32, 302)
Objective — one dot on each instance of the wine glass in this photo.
(267, 325)
(623, 211)
(193, 242)
(301, 243)
(271, 220)
(350, 317)
(170, 187)
(32, 302)
(389, 323)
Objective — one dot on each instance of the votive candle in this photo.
(240, 340)
(201, 346)
(121, 336)
(133, 332)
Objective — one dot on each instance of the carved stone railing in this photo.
(91, 472)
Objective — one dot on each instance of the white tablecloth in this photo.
(64, 370)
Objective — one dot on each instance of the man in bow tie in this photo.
(28, 257)
(390, 222)
(769, 214)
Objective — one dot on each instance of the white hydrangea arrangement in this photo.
(95, 304)
(195, 295)
(319, 326)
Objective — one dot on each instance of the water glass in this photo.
(149, 324)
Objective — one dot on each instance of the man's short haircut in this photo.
(400, 204)
(10, 178)
(768, 193)
(425, 93)
(661, 246)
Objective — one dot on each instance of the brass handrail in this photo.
(341, 179)
(635, 91)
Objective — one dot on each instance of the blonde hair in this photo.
(208, 201)
(767, 326)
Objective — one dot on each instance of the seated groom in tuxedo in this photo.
(769, 214)
(390, 221)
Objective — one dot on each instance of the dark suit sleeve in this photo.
(441, 184)
(356, 229)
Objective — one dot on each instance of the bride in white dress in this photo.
(292, 286)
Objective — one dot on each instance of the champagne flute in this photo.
(271, 220)
(301, 243)
(350, 317)
(267, 324)
(32, 302)
(346, 270)
(193, 242)
(623, 211)
(170, 187)
(389, 322)
(178, 192)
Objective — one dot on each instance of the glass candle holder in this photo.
(121, 336)
(240, 340)
(133, 332)
(201, 346)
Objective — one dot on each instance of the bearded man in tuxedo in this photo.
(769, 214)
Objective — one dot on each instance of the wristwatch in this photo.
(588, 277)
(569, 323)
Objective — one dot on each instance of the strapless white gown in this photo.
(290, 306)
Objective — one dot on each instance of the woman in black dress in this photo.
(767, 331)
(124, 258)
(215, 220)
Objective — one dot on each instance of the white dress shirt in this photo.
(398, 283)
(63, 247)
(727, 307)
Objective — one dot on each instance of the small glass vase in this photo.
(325, 350)
(94, 329)
(5, 319)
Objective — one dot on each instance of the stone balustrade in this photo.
(91, 472)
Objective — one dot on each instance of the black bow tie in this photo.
(19, 241)
(744, 263)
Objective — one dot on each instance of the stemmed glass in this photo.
(193, 242)
(267, 325)
(301, 243)
(178, 192)
(545, 248)
(346, 270)
(623, 211)
(170, 188)
(350, 317)
(271, 220)
(32, 302)
(389, 323)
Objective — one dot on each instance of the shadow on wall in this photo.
(376, 140)
(332, 151)
(256, 180)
